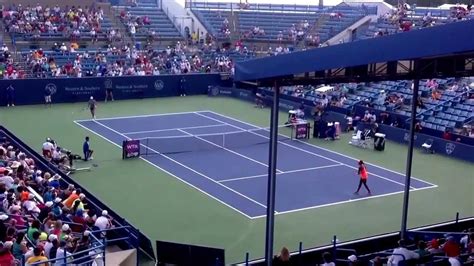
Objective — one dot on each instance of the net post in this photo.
(147, 146)
(292, 129)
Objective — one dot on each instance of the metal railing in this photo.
(95, 252)
(337, 247)
(258, 7)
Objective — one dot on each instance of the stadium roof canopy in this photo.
(441, 51)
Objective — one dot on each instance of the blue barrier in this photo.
(441, 146)
(31, 91)
(448, 148)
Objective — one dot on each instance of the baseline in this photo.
(133, 116)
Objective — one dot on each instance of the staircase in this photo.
(116, 256)
(233, 19)
(314, 30)
(318, 24)
(7, 39)
(113, 13)
(12, 48)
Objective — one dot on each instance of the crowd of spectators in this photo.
(127, 61)
(137, 24)
(40, 218)
(72, 22)
(8, 68)
(75, 21)
(299, 32)
(404, 20)
(455, 251)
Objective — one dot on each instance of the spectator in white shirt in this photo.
(103, 222)
(63, 47)
(60, 254)
(324, 101)
(6, 179)
(402, 253)
(464, 240)
(30, 204)
(49, 244)
(48, 148)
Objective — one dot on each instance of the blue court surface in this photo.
(220, 157)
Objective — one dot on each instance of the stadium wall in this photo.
(452, 149)
(66, 90)
(183, 18)
(348, 34)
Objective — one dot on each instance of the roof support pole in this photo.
(272, 162)
(411, 142)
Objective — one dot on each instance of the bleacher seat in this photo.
(273, 21)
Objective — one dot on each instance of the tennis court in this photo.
(226, 159)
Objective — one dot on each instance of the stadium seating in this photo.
(416, 18)
(40, 201)
(60, 27)
(427, 243)
(451, 111)
(275, 25)
(148, 19)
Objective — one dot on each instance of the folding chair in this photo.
(356, 138)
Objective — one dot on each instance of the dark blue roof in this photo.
(449, 39)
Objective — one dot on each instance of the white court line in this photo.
(284, 172)
(345, 201)
(324, 149)
(133, 116)
(224, 148)
(169, 173)
(309, 152)
(253, 126)
(242, 178)
(187, 167)
(172, 129)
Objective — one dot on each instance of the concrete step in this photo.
(121, 258)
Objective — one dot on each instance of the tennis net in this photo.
(208, 142)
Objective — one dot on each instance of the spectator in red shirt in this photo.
(10, 69)
(6, 257)
(451, 248)
(418, 127)
(79, 221)
(447, 135)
